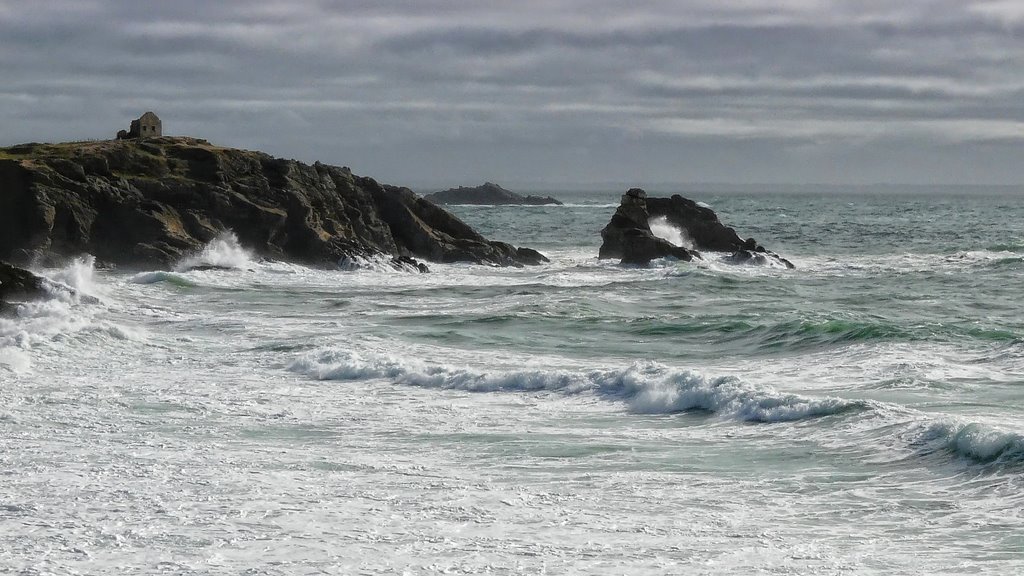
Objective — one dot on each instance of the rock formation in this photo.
(16, 283)
(628, 235)
(488, 194)
(150, 202)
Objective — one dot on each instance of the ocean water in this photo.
(861, 414)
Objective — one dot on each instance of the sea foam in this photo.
(71, 312)
(972, 440)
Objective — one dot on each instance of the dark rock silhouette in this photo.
(153, 201)
(17, 283)
(628, 235)
(488, 194)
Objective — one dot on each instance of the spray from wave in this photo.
(224, 251)
(75, 282)
(69, 313)
(661, 228)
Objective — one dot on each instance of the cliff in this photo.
(487, 194)
(152, 201)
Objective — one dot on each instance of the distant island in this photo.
(489, 194)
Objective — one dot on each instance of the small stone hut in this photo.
(147, 126)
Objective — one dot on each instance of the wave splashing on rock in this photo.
(223, 252)
(661, 228)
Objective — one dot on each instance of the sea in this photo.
(862, 413)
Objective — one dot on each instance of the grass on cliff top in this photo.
(32, 150)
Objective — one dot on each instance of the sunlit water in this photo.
(860, 414)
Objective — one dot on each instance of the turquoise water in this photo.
(860, 414)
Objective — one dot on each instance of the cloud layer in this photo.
(541, 92)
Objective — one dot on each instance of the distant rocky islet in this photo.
(488, 193)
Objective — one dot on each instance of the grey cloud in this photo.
(449, 92)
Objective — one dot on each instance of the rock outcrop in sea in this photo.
(155, 200)
(628, 235)
(487, 194)
(17, 283)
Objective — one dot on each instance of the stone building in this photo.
(147, 126)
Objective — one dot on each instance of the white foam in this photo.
(978, 442)
(70, 312)
(14, 359)
(224, 251)
(160, 276)
(79, 276)
(375, 263)
(645, 387)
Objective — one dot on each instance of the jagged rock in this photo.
(628, 235)
(17, 283)
(531, 256)
(152, 202)
(641, 246)
(403, 262)
(489, 194)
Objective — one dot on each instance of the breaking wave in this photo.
(645, 387)
(161, 276)
(70, 313)
(224, 251)
(976, 442)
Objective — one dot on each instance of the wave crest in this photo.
(976, 442)
(645, 387)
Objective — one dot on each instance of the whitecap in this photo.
(644, 387)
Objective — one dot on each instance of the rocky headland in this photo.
(150, 202)
(628, 236)
(487, 194)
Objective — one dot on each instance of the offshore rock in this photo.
(153, 201)
(487, 194)
(628, 235)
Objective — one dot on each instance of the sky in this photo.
(541, 94)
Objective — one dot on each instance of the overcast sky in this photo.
(535, 93)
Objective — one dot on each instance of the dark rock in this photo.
(487, 194)
(531, 256)
(206, 268)
(628, 235)
(153, 202)
(405, 262)
(758, 257)
(640, 247)
(17, 283)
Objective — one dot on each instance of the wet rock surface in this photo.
(150, 202)
(628, 235)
